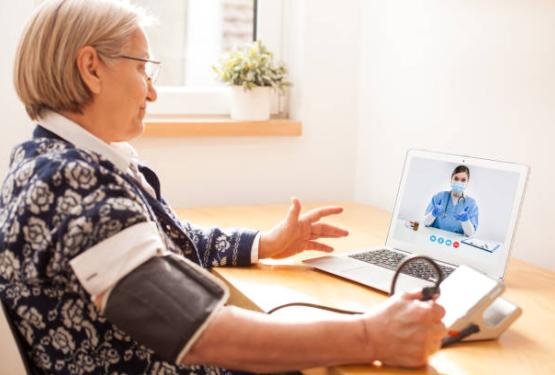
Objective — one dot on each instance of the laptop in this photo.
(433, 217)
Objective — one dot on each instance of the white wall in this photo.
(472, 77)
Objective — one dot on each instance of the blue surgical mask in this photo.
(458, 187)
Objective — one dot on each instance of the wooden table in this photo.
(528, 347)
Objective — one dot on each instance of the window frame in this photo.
(210, 100)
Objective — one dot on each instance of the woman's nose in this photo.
(151, 94)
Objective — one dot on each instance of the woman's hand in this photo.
(404, 331)
(299, 232)
(462, 216)
(436, 211)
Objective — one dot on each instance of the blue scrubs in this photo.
(446, 220)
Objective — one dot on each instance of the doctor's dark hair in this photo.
(461, 169)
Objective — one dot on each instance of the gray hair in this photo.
(46, 76)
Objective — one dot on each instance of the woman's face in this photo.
(126, 91)
(461, 177)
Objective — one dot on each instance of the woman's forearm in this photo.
(429, 219)
(468, 228)
(244, 340)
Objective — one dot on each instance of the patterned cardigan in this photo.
(56, 202)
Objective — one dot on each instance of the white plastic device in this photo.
(470, 297)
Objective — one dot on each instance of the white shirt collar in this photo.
(121, 154)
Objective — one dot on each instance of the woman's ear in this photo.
(88, 64)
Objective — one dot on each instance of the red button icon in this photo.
(456, 244)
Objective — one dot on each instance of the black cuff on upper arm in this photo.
(164, 303)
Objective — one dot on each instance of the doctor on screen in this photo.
(454, 210)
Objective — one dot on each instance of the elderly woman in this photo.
(97, 272)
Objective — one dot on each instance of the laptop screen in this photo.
(457, 209)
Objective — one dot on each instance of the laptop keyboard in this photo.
(391, 259)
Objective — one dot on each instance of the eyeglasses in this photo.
(152, 67)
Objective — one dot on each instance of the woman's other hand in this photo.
(300, 232)
(462, 216)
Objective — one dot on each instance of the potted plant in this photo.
(252, 75)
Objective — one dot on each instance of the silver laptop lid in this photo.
(475, 226)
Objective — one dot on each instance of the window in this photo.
(191, 35)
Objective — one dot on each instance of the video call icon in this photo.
(441, 241)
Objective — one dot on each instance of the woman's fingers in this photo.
(315, 245)
(414, 294)
(438, 312)
(318, 213)
(322, 230)
(294, 210)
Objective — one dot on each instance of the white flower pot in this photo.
(253, 105)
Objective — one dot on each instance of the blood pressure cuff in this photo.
(164, 304)
(160, 299)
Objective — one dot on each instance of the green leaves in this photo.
(252, 67)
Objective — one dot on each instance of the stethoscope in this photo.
(449, 200)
